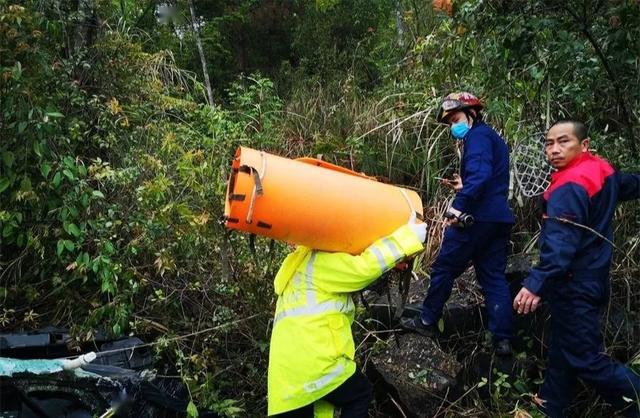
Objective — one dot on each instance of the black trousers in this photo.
(353, 397)
(576, 347)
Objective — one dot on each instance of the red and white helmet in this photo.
(454, 102)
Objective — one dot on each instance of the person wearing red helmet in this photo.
(480, 222)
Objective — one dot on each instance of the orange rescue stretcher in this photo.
(313, 203)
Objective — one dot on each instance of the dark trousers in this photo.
(353, 397)
(485, 244)
(576, 347)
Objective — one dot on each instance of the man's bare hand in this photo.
(526, 301)
(452, 216)
(455, 183)
(450, 221)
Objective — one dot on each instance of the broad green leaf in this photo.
(4, 183)
(520, 387)
(25, 184)
(57, 179)
(108, 246)
(74, 230)
(8, 158)
(68, 173)
(98, 194)
(69, 245)
(37, 148)
(17, 70)
(45, 169)
(60, 247)
(7, 230)
(192, 410)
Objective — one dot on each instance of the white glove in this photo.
(420, 229)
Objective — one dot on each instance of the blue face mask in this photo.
(459, 130)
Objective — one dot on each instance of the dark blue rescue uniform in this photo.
(485, 181)
(573, 275)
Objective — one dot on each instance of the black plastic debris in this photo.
(120, 382)
(137, 358)
(47, 342)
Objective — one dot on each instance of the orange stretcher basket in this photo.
(313, 203)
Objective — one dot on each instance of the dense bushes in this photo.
(112, 184)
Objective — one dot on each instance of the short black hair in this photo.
(476, 118)
(579, 128)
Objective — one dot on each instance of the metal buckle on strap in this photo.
(257, 184)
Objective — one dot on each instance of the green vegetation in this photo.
(113, 161)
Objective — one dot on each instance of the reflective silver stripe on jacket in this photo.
(312, 307)
(380, 257)
(310, 292)
(392, 247)
(329, 306)
(324, 380)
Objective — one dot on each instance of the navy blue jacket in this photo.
(485, 176)
(583, 193)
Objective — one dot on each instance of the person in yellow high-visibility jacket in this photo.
(311, 358)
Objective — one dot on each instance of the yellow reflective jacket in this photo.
(312, 348)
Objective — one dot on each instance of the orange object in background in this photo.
(313, 203)
(443, 5)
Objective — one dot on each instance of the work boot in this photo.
(503, 347)
(415, 324)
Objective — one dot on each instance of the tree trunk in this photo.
(203, 61)
(86, 26)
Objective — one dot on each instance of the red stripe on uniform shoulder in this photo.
(590, 173)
